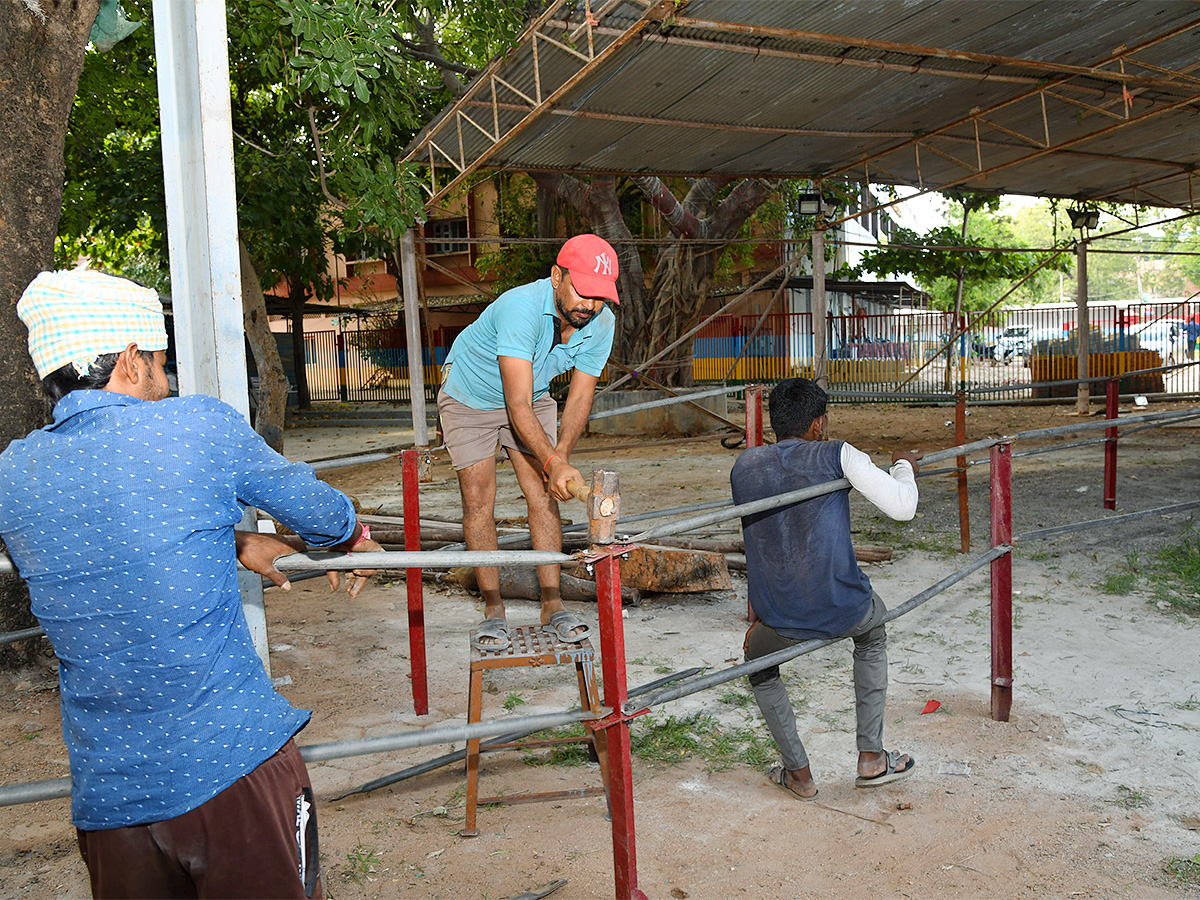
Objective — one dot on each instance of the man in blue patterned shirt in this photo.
(120, 516)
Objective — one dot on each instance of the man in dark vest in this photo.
(804, 581)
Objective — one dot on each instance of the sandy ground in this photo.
(1090, 786)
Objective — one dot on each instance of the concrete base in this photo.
(677, 419)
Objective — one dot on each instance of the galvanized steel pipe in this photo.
(404, 740)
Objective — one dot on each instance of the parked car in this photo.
(1167, 337)
(1013, 342)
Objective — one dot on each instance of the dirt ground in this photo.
(1090, 787)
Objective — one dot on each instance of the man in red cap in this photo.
(495, 387)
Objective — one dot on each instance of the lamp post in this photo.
(1082, 219)
(814, 206)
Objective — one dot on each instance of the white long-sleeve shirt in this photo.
(893, 490)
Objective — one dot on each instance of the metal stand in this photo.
(533, 647)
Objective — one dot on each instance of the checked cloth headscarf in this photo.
(76, 316)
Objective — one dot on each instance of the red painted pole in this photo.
(620, 762)
(754, 416)
(960, 431)
(1110, 448)
(603, 510)
(409, 465)
(1002, 612)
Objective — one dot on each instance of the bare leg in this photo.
(477, 486)
(545, 529)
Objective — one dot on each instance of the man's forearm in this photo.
(574, 419)
(529, 430)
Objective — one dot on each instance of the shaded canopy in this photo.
(1092, 101)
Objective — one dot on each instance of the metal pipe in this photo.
(438, 762)
(414, 586)
(384, 743)
(1110, 448)
(742, 509)
(342, 461)
(722, 676)
(960, 435)
(426, 559)
(1001, 582)
(13, 636)
(665, 401)
(1055, 530)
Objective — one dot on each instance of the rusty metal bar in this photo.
(414, 586)
(1002, 615)
(722, 676)
(754, 415)
(1110, 447)
(543, 102)
(612, 656)
(793, 34)
(960, 435)
(673, 393)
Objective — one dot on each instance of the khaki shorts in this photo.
(472, 434)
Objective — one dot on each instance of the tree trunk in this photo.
(272, 381)
(297, 295)
(41, 56)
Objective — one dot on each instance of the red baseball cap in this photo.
(592, 262)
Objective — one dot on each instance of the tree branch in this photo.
(682, 222)
(312, 126)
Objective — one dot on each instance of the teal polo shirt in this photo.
(523, 323)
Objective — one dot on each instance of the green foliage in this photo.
(362, 861)
(987, 273)
(516, 216)
(1128, 798)
(513, 700)
(334, 88)
(1183, 869)
(1177, 580)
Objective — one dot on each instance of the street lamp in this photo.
(809, 205)
(1083, 217)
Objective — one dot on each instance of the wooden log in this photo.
(520, 582)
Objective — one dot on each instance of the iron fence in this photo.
(913, 353)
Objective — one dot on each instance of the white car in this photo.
(1013, 341)
(1167, 337)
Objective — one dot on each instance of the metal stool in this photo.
(532, 647)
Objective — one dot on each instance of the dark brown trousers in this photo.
(256, 839)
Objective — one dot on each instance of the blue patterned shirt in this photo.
(120, 517)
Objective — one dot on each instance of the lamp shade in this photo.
(808, 204)
(1082, 217)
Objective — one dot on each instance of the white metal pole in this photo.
(412, 323)
(191, 47)
(819, 309)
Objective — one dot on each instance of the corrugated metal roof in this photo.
(1091, 99)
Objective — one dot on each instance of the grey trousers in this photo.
(870, 685)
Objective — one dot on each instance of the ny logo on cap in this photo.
(603, 264)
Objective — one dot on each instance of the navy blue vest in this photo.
(804, 580)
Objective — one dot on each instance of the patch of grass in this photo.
(1177, 580)
(1186, 871)
(1122, 578)
(575, 754)
(670, 741)
(513, 700)
(1128, 798)
(734, 697)
(663, 669)
(362, 861)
